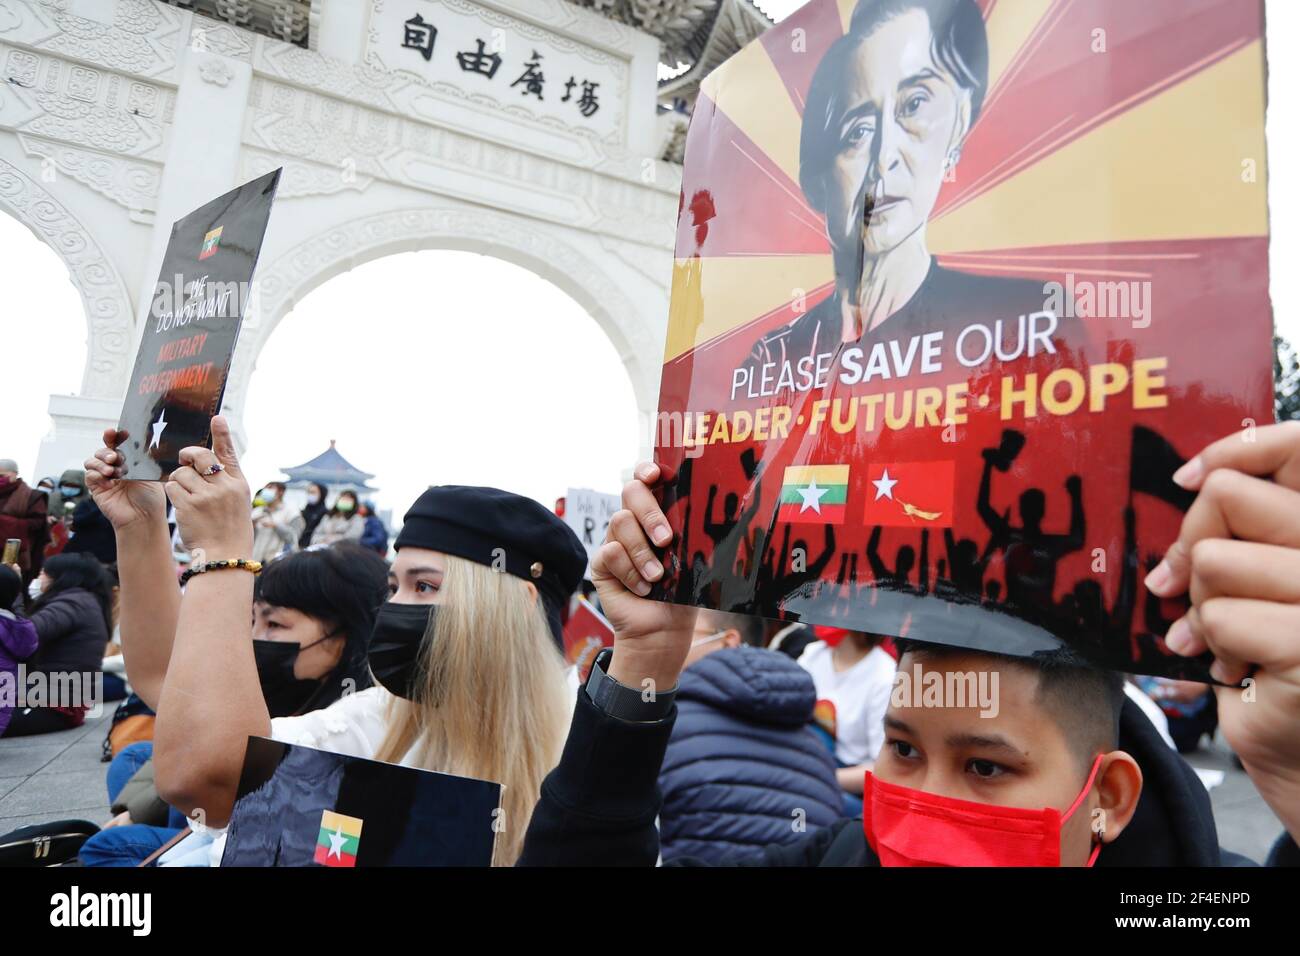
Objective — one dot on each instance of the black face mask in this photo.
(285, 694)
(395, 646)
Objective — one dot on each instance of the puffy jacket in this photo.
(743, 770)
(17, 643)
(72, 634)
(375, 536)
(334, 528)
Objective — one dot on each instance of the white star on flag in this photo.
(158, 427)
(812, 496)
(884, 486)
(337, 839)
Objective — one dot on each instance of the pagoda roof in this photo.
(329, 468)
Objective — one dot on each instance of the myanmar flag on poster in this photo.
(910, 494)
(814, 494)
(339, 840)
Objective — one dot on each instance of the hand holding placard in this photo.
(651, 638)
(189, 338)
(124, 503)
(211, 497)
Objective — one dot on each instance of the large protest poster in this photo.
(192, 326)
(958, 284)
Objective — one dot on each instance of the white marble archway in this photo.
(119, 116)
(109, 334)
(630, 325)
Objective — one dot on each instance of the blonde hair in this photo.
(493, 701)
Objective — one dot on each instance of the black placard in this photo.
(192, 327)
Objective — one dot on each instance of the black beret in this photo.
(501, 530)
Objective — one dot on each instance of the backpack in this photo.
(45, 844)
(132, 723)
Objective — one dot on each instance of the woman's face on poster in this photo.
(904, 115)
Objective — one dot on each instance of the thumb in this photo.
(223, 445)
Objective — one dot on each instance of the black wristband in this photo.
(623, 702)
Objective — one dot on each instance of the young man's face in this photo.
(1017, 756)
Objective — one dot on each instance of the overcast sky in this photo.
(527, 395)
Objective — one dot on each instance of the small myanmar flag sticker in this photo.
(814, 494)
(210, 243)
(339, 839)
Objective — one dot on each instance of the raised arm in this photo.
(995, 522)
(924, 562)
(828, 552)
(598, 805)
(713, 530)
(211, 700)
(878, 570)
(149, 597)
(1078, 522)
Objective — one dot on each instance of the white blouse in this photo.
(354, 725)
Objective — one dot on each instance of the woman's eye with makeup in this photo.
(985, 769)
(424, 587)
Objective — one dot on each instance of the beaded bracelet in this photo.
(241, 563)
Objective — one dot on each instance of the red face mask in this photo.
(907, 827)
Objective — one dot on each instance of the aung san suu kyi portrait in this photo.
(889, 108)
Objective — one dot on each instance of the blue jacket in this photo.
(375, 535)
(742, 762)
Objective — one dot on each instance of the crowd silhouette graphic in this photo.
(755, 567)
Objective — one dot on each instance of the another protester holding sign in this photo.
(313, 613)
(468, 657)
(950, 784)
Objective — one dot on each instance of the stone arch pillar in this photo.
(80, 419)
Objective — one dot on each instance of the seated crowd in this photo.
(761, 743)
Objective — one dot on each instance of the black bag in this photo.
(45, 844)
